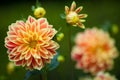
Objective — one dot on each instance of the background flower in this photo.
(30, 43)
(72, 16)
(94, 50)
(104, 76)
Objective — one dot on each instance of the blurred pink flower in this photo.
(72, 16)
(94, 51)
(30, 43)
(104, 76)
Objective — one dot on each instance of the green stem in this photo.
(70, 48)
(37, 3)
(44, 75)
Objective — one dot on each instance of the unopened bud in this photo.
(39, 12)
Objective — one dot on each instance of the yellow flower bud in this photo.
(10, 67)
(60, 58)
(115, 29)
(60, 36)
(39, 12)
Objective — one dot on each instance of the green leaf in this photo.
(33, 8)
(54, 63)
(63, 16)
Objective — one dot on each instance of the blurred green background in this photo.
(101, 13)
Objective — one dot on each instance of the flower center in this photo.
(72, 18)
(32, 44)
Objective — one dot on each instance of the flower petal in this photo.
(73, 6)
(30, 19)
(82, 15)
(81, 25)
(67, 9)
(79, 9)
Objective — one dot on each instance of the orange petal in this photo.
(48, 60)
(79, 9)
(67, 9)
(14, 50)
(43, 55)
(34, 64)
(23, 62)
(27, 56)
(44, 25)
(31, 19)
(42, 20)
(18, 63)
(11, 44)
(29, 61)
(81, 25)
(17, 57)
(73, 6)
(21, 23)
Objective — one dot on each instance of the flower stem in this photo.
(70, 47)
(44, 76)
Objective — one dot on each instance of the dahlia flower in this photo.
(30, 43)
(104, 76)
(94, 51)
(72, 16)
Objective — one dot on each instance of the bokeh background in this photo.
(101, 13)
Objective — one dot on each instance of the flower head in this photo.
(72, 16)
(104, 76)
(39, 12)
(30, 43)
(94, 51)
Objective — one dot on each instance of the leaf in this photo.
(63, 16)
(54, 63)
(27, 75)
(33, 8)
(30, 73)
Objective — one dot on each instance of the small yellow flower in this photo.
(61, 58)
(39, 12)
(10, 67)
(72, 16)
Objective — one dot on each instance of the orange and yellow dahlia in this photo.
(94, 51)
(30, 43)
(72, 16)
